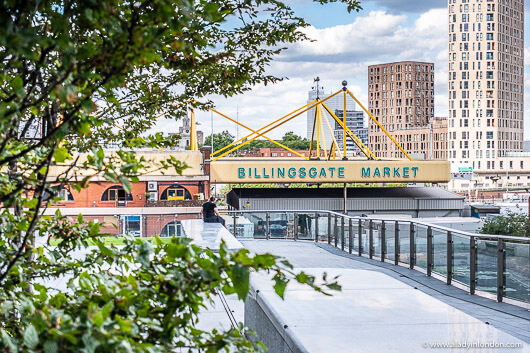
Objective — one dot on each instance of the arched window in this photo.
(175, 192)
(66, 195)
(55, 191)
(116, 193)
(171, 229)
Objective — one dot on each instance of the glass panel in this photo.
(338, 234)
(421, 246)
(404, 242)
(355, 225)
(366, 237)
(323, 227)
(376, 239)
(306, 226)
(346, 234)
(390, 233)
(461, 259)
(517, 280)
(281, 225)
(252, 225)
(439, 244)
(487, 265)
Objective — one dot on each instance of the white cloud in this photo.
(338, 53)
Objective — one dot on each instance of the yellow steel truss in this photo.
(318, 124)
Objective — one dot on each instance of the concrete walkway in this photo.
(510, 319)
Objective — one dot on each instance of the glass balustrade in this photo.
(434, 248)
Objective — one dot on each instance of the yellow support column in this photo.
(194, 146)
(335, 144)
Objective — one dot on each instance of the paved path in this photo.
(505, 317)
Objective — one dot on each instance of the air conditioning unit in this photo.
(153, 196)
(152, 186)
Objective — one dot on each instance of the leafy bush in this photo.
(511, 224)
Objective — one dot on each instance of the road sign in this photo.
(465, 169)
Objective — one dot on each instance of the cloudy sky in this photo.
(345, 44)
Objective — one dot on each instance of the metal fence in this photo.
(494, 264)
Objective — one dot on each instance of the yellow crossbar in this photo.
(272, 128)
(256, 131)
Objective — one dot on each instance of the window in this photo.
(116, 193)
(172, 229)
(66, 195)
(132, 225)
(175, 192)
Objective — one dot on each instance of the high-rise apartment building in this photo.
(354, 122)
(485, 81)
(401, 98)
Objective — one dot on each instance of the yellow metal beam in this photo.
(246, 127)
(312, 134)
(381, 126)
(194, 146)
(355, 139)
(256, 131)
(323, 134)
(272, 128)
(335, 144)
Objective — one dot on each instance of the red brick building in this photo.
(156, 203)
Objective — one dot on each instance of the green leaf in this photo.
(279, 285)
(51, 347)
(240, 279)
(61, 154)
(31, 338)
(8, 341)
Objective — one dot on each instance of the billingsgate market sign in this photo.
(315, 171)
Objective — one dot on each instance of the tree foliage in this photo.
(220, 140)
(290, 140)
(78, 76)
(516, 224)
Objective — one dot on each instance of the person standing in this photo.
(210, 214)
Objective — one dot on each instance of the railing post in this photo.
(329, 228)
(449, 257)
(360, 229)
(267, 224)
(412, 247)
(370, 239)
(429, 251)
(472, 265)
(500, 270)
(342, 233)
(295, 226)
(316, 226)
(383, 241)
(350, 235)
(335, 231)
(396, 244)
(235, 224)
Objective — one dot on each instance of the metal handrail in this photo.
(425, 224)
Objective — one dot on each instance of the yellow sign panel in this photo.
(352, 171)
